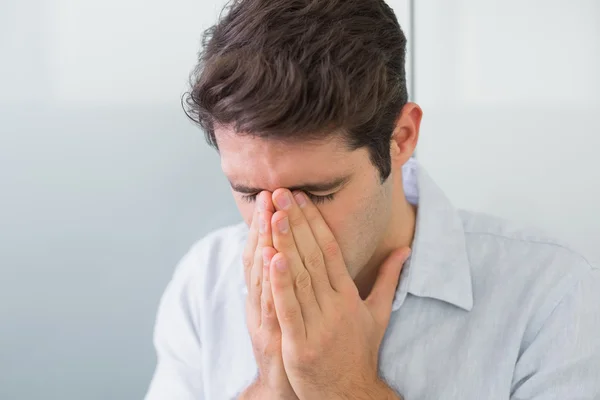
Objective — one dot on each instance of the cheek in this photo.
(342, 218)
(357, 225)
(345, 222)
(246, 210)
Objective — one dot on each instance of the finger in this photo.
(251, 242)
(339, 277)
(306, 244)
(287, 307)
(381, 297)
(252, 313)
(255, 289)
(283, 241)
(264, 208)
(268, 315)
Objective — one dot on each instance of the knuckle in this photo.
(314, 260)
(247, 261)
(303, 281)
(307, 356)
(257, 339)
(264, 343)
(257, 283)
(268, 309)
(296, 219)
(260, 346)
(289, 314)
(331, 249)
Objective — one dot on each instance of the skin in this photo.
(263, 325)
(368, 222)
(330, 337)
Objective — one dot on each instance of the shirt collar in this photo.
(438, 267)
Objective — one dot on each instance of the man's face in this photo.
(345, 185)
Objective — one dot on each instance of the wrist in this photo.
(260, 390)
(251, 392)
(377, 389)
(385, 392)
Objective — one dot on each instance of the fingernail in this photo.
(281, 264)
(300, 199)
(266, 259)
(262, 224)
(261, 205)
(283, 201)
(283, 225)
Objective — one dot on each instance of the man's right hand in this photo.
(272, 381)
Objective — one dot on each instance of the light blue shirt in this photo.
(484, 310)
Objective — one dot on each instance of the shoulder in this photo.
(208, 270)
(533, 270)
(214, 259)
(531, 245)
(182, 317)
(217, 246)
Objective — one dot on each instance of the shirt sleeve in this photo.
(178, 374)
(563, 360)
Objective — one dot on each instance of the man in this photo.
(353, 277)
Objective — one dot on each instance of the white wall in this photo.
(103, 186)
(511, 97)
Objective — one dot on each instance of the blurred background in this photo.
(104, 183)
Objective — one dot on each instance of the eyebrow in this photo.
(308, 187)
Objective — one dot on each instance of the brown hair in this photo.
(302, 70)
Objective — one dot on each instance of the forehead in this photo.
(271, 163)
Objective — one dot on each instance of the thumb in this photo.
(379, 301)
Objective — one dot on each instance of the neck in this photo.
(399, 233)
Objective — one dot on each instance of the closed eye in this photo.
(250, 198)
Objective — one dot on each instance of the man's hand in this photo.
(330, 336)
(272, 381)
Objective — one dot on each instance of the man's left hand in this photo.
(330, 336)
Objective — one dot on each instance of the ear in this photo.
(406, 134)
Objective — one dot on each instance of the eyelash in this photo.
(250, 198)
